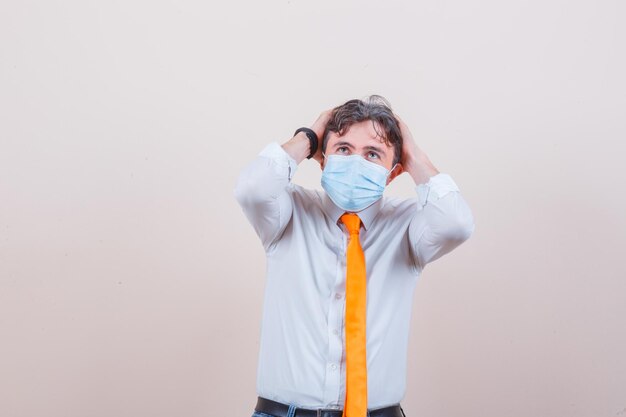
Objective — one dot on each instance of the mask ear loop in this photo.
(392, 168)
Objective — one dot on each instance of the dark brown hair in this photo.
(375, 108)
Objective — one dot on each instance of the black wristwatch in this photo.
(313, 140)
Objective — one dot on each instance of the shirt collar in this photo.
(366, 215)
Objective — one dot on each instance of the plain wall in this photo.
(131, 283)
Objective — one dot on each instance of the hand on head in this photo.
(319, 127)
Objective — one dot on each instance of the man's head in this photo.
(367, 128)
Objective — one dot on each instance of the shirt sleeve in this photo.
(442, 221)
(262, 192)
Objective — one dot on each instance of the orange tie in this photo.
(356, 359)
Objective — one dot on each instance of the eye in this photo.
(372, 155)
(342, 149)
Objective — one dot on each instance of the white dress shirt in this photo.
(302, 351)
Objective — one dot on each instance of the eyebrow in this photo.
(369, 148)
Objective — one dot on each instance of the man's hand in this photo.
(414, 160)
(299, 146)
(318, 127)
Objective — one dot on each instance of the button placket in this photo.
(332, 386)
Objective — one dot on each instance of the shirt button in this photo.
(335, 331)
(333, 366)
(338, 296)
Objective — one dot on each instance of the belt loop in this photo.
(292, 410)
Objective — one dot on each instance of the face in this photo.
(362, 139)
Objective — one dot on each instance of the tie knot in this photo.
(352, 222)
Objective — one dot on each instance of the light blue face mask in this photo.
(352, 182)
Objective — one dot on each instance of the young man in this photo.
(342, 263)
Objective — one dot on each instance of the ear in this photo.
(395, 172)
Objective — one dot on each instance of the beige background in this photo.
(131, 283)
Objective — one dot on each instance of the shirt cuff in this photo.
(283, 160)
(437, 186)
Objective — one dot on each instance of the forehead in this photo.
(360, 134)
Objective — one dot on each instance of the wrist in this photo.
(313, 140)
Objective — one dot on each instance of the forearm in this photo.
(414, 160)
(442, 221)
(298, 147)
(419, 167)
(262, 180)
(262, 192)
